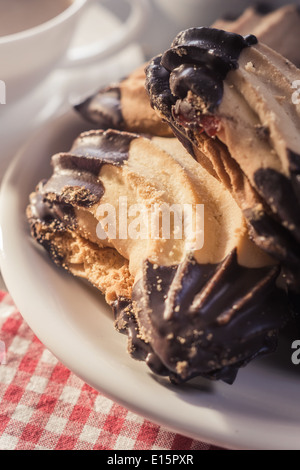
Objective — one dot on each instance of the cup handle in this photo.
(124, 35)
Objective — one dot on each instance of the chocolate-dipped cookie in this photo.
(55, 227)
(124, 106)
(191, 306)
(230, 100)
(277, 28)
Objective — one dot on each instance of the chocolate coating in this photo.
(284, 237)
(209, 320)
(103, 109)
(95, 148)
(49, 216)
(157, 86)
(263, 8)
(126, 323)
(124, 106)
(199, 60)
(74, 183)
(294, 161)
(75, 178)
(196, 66)
(185, 320)
(277, 190)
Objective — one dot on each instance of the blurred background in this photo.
(168, 17)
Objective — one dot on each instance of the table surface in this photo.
(45, 406)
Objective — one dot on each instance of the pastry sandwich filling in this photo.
(189, 309)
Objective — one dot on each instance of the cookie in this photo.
(277, 28)
(230, 101)
(203, 302)
(124, 106)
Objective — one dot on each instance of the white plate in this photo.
(260, 411)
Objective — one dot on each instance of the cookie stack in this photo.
(207, 133)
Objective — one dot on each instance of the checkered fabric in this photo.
(44, 406)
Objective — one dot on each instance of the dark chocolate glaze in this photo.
(75, 177)
(100, 147)
(263, 8)
(278, 192)
(294, 161)
(283, 229)
(294, 165)
(74, 183)
(157, 86)
(62, 215)
(219, 317)
(294, 306)
(199, 61)
(209, 320)
(179, 70)
(103, 109)
(48, 217)
(126, 323)
(230, 16)
(185, 320)
(184, 140)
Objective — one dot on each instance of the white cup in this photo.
(26, 58)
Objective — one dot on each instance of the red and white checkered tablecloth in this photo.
(44, 406)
